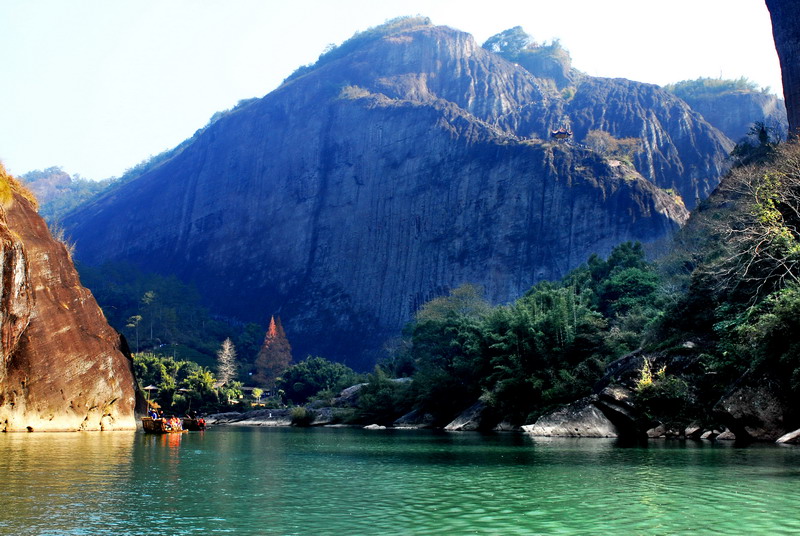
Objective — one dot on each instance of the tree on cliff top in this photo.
(510, 42)
(543, 60)
(274, 356)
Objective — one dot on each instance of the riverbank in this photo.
(575, 426)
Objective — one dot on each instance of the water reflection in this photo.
(334, 481)
(49, 478)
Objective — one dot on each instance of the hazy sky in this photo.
(96, 86)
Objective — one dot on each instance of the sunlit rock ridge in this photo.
(62, 367)
(408, 162)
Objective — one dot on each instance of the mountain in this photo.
(733, 105)
(58, 192)
(403, 163)
(62, 367)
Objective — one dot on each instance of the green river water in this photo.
(236, 480)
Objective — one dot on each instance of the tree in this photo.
(274, 356)
(758, 146)
(466, 300)
(133, 323)
(605, 144)
(148, 301)
(786, 32)
(308, 378)
(226, 361)
(759, 236)
(508, 42)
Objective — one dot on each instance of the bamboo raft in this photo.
(159, 426)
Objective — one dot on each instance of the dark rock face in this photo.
(61, 367)
(755, 409)
(473, 418)
(786, 31)
(680, 150)
(354, 193)
(618, 405)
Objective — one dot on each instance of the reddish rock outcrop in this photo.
(62, 366)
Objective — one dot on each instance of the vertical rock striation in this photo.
(392, 173)
(61, 365)
(734, 112)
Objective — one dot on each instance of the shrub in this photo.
(301, 416)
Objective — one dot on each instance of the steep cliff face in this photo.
(679, 149)
(786, 32)
(61, 367)
(354, 193)
(734, 112)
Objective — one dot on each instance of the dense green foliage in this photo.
(315, 377)
(181, 386)
(704, 87)
(547, 348)
(742, 289)
(58, 192)
(165, 316)
(383, 399)
(725, 302)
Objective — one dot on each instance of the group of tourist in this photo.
(175, 423)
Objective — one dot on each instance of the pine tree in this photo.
(226, 362)
(274, 356)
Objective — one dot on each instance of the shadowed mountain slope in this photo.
(399, 168)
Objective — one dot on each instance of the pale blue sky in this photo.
(96, 86)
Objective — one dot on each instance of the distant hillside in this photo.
(58, 192)
(733, 105)
(404, 163)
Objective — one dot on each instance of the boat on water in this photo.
(160, 426)
(194, 424)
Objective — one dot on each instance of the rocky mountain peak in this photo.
(401, 165)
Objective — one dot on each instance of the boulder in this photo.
(471, 419)
(349, 396)
(579, 419)
(616, 403)
(693, 431)
(754, 409)
(792, 438)
(506, 426)
(414, 419)
(727, 435)
(223, 418)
